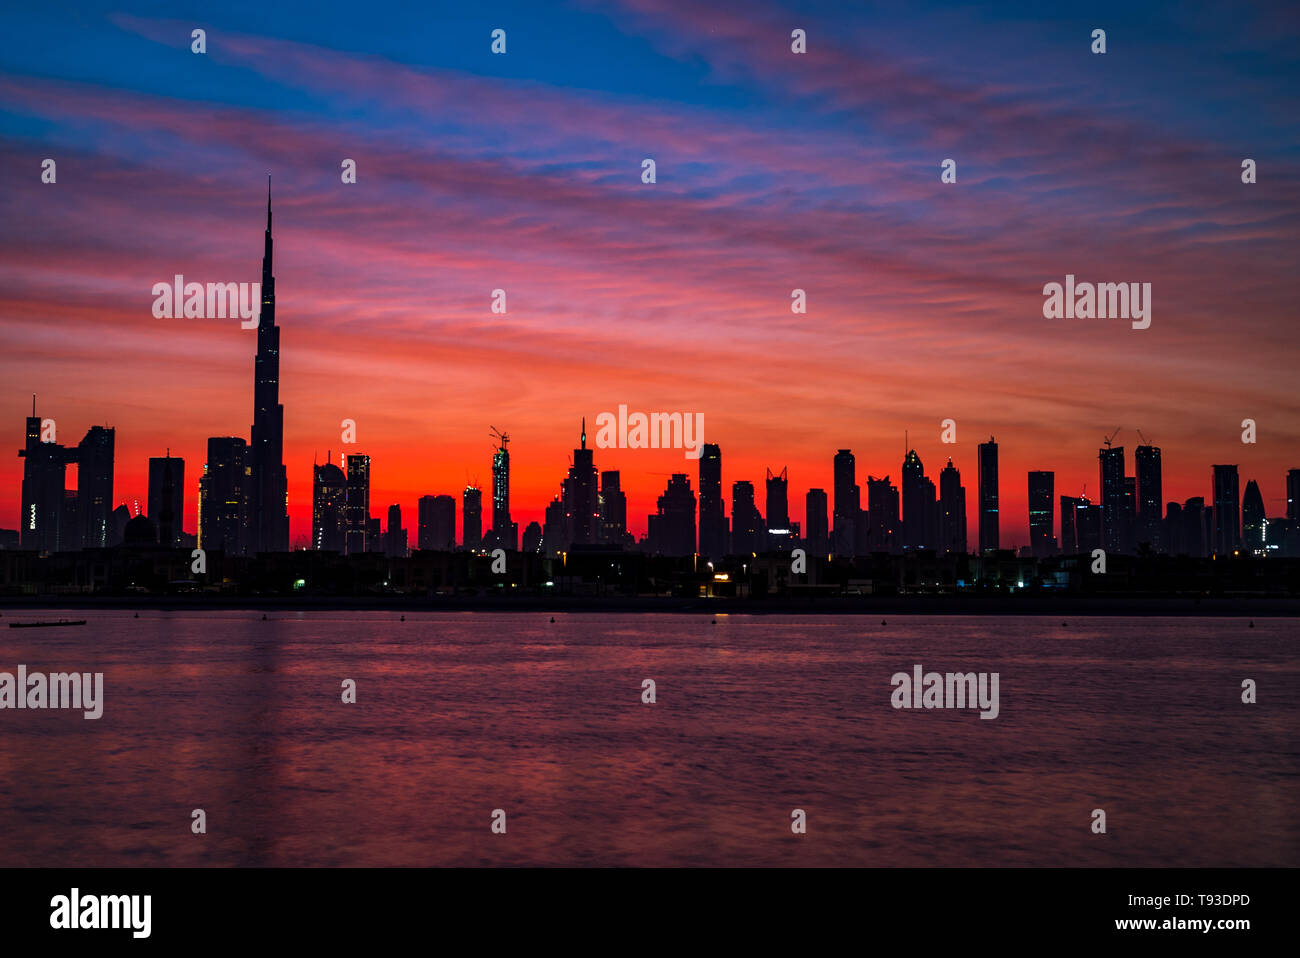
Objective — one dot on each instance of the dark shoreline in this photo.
(1263, 607)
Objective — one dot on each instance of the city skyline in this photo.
(924, 298)
(914, 514)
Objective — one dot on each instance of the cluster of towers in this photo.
(243, 500)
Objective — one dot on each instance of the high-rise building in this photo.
(1069, 534)
(554, 529)
(748, 534)
(1113, 510)
(167, 498)
(69, 538)
(358, 505)
(1129, 513)
(713, 518)
(532, 538)
(988, 493)
(505, 532)
(1292, 493)
(778, 509)
(884, 533)
(95, 487)
(120, 519)
(581, 505)
(918, 519)
(1197, 527)
(913, 513)
(47, 523)
(1087, 525)
(672, 529)
(329, 508)
(436, 516)
(224, 493)
(817, 535)
(1171, 536)
(848, 504)
(613, 510)
(1150, 497)
(472, 522)
(395, 536)
(1227, 510)
(1254, 524)
(952, 511)
(1042, 488)
(269, 497)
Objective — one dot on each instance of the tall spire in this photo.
(584, 432)
(269, 521)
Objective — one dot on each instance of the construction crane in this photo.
(1112, 436)
(1145, 440)
(501, 438)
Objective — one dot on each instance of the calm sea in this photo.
(460, 714)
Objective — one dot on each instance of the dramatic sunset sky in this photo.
(775, 171)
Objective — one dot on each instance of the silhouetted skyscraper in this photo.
(1042, 488)
(268, 504)
(847, 504)
(1069, 535)
(224, 496)
(952, 511)
(95, 487)
(1087, 525)
(167, 498)
(748, 534)
(358, 505)
(505, 532)
(1171, 535)
(988, 493)
(918, 519)
(613, 510)
(395, 536)
(1227, 510)
(778, 510)
(1150, 496)
(554, 528)
(1253, 520)
(1129, 523)
(1113, 510)
(817, 532)
(47, 523)
(672, 529)
(884, 533)
(531, 541)
(582, 510)
(1292, 493)
(329, 508)
(1197, 527)
(472, 524)
(436, 516)
(713, 518)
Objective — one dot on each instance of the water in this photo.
(460, 714)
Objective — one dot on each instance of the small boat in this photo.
(45, 625)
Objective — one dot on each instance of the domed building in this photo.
(140, 531)
(328, 518)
